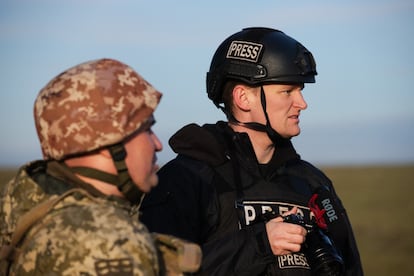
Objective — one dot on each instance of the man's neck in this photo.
(262, 145)
(105, 188)
(99, 162)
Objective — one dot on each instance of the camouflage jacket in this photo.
(85, 233)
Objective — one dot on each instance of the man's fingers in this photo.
(292, 211)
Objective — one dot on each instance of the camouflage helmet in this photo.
(92, 105)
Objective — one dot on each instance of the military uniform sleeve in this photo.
(87, 239)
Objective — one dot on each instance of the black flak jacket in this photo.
(216, 194)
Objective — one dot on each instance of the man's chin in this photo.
(295, 133)
(152, 181)
(289, 136)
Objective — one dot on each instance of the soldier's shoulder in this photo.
(83, 231)
(18, 196)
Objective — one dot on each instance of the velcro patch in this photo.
(244, 50)
(114, 267)
(293, 260)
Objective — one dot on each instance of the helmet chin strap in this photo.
(275, 137)
(125, 184)
(122, 180)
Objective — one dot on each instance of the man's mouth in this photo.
(154, 164)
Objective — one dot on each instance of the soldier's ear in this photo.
(105, 153)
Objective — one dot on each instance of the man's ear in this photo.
(105, 152)
(240, 97)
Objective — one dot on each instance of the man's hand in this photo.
(285, 238)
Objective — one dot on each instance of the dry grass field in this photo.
(380, 204)
(6, 174)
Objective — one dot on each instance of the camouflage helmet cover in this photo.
(90, 106)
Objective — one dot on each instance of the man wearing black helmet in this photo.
(239, 188)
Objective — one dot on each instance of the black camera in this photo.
(323, 257)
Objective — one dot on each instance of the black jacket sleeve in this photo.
(340, 229)
(183, 205)
(246, 252)
(348, 245)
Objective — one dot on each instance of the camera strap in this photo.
(330, 215)
(318, 212)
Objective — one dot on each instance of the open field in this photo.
(6, 174)
(380, 204)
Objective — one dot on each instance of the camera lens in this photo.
(322, 255)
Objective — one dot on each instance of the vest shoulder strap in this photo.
(10, 252)
(177, 256)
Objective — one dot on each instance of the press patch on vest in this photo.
(253, 210)
(114, 267)
(294, 260)
(244, 50)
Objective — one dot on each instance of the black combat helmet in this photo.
(258, 56)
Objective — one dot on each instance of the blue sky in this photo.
(360, 110)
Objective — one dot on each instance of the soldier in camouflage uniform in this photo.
(94, 124)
